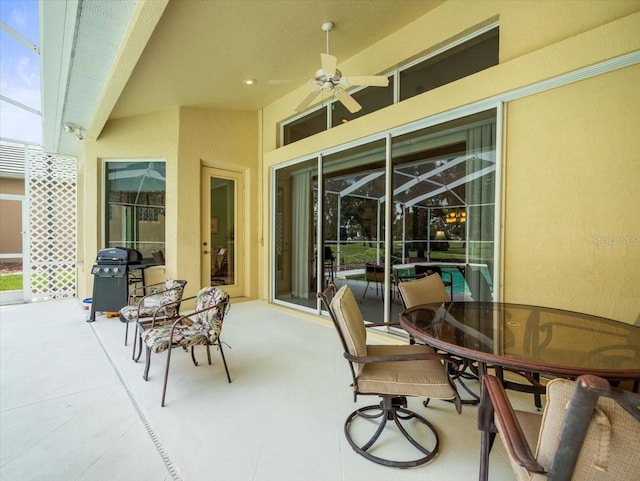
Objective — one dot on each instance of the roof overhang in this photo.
(89, 50)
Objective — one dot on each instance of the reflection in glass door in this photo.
(221, 246)
(433, 188)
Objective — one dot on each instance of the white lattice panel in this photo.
(52, 225)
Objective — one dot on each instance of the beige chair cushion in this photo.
(410, 378)
(530, 424)
(349, 317)
(428, 290)
(611, 447)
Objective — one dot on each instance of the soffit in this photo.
(125, 58)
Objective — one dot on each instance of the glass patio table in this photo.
(529, 339)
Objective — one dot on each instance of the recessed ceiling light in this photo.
(249, 81)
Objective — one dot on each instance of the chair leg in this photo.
(224, 361)
(486, 443)
(392, 409)
(147, 363)
(209, 354)
(166, 376)
(126, 332)
(135, 341)
(487, 428)
(365, 290)
(136, 358)
(193, 356)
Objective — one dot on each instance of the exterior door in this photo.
(222, 243)
(14, 285)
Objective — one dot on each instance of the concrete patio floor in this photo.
(74, 406)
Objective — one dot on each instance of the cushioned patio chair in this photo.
(447, 277)
(199, 328)
(373, 273)
(163, 304)
(431, 290)
(426, 290)
(391, 372)
(588, 432)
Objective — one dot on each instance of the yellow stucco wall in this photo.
(185, 138)
(572, 227)
(225, 140)
(536, 44)
(143, 137)
(570, 122)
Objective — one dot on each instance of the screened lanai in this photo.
(441, 182)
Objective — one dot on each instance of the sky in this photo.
(20, 72)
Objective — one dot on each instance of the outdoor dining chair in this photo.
(432, 290)
(199, 328)
(162, 304)
(392, 372)
(425, 290)
(589, 432)
(427, 270)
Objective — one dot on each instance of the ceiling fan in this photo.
(330, 80)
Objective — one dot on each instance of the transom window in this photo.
(461, 59)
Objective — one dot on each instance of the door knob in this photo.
(206, 252)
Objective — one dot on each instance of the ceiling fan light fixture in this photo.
(329, 79)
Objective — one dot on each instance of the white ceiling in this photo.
(130, 58)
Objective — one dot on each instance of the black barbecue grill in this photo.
(113, 275)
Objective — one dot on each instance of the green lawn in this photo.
(11, 282)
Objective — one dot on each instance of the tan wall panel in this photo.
(152, 136)
(224, 140)
(572, 236)
(537, 44)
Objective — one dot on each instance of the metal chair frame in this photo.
(185, 320)
(391, 407)
(495, 403)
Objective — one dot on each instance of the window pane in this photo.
(135, 193)
(371, 99)
(444, 197)
(306, 126)
(472, 56)
(443, 213)
(295, 229)
(354, 189)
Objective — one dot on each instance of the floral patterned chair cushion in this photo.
(211, 306)
(171, 293)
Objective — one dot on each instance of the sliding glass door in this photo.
(442, 184)
(295, 240)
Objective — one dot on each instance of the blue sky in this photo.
(20, 72)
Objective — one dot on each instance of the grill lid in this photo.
(119, 255)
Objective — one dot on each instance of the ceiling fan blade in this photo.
(329, 63)
(307, 101)
(369, 81)
(347, 100)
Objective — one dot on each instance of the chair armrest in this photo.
(418, 356)
(381, 324)
(157, 294)
(187, 317)
(155, 313)
(514, 439)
